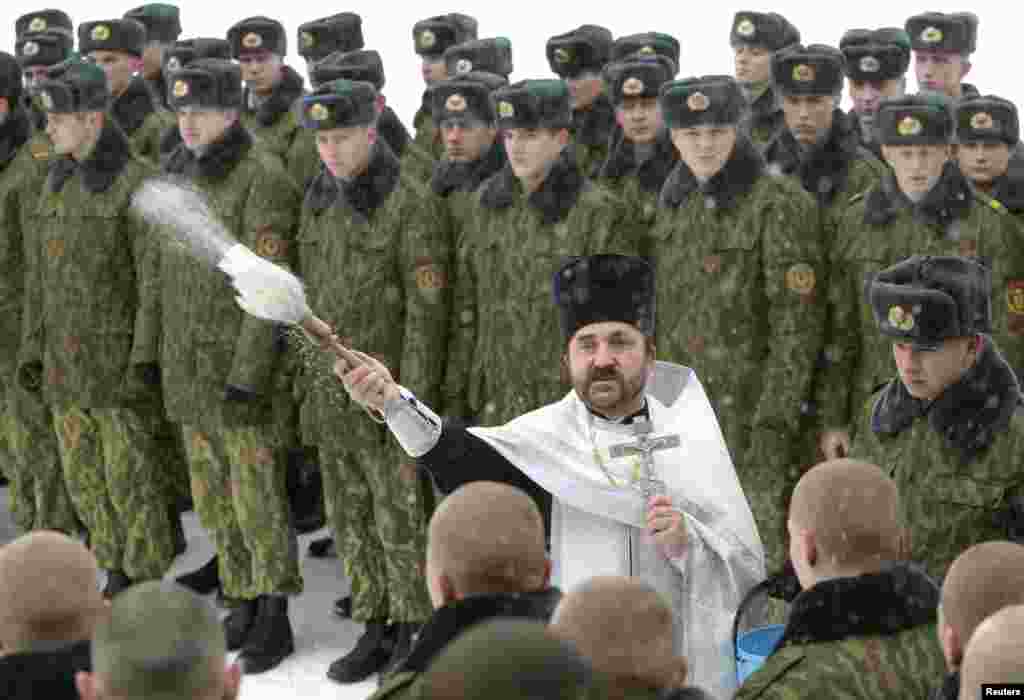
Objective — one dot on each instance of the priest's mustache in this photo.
(600, 374)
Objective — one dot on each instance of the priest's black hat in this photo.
(599, 288)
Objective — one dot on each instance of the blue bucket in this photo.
(754, 647)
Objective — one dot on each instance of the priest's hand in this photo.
(666, 527)
(367, 381)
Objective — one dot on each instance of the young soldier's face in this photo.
(808, 117)
(640, 119)
(940, 71)
(609, 364)
(584, 90)
(466, 141)
(983, 161)
(753, 64)
(153, 60)
(434, 70)
(69, 133)
(261, 71)
(119, 68)
(867, 95)
(345, 151)
(926, 374)
(917, 168)
(706, 148)
(531, 151)
(203, 127)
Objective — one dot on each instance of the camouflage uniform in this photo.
(992, 119)
(740, 264)
(872, 635)
(43, 39)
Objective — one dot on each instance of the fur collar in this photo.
(969, 415)
(594, 126)
(950, 688)
(896, 599)
(13, 135)
(365, 193)
(651, 173)
(158, 92)
(555, 198)
(423, 114)
(1008, 190)
(99, 171)
(133, 106)
(281, 98)
(217, 161)
(872, 146)
(824, 171)
(949, 200)
(734, 180)
(452, 176)
(453, 619)
(393, 131)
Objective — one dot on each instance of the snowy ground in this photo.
(320, 637)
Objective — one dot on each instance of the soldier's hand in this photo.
(666, 527)
(367, 381)
(834, 444)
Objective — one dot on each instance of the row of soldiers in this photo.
(133, 381)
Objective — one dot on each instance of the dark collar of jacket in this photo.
(452, 176)
(950, 688)
(965, 415)
(423, 114)
(949, 200)
(594, 126)
(217, 161)
(158, 92)
(826, 168)
(555, 198)
(101, 168)
(393, 131)
(450, 621)
(36, 116)
(49, 675)
(873, 146)
(736, 178)
(1008, 189)
(651, 173)
(281, 98)
(898, 598)
(968, 91)
(14, 133)
(132, 106)
(365, 193)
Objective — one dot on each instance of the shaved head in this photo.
(852, 509)
(624, 627)
(984, 579)
(994, 653)
(48, 591)
(488, 538)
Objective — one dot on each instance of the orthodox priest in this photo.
(641, 480)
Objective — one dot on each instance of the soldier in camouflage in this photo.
(431, 37)
(754, 38)
(958, 465)
(943, 44)
(163, 27)
(925, 206)
(740, 258)
(987, 135)
(319, 38)
(578, 57)
(865, 620)
(876, 66)
(116, 46)
(43, 38)
(86, 336)
(224, 372)
(363, 235)
(176, 57)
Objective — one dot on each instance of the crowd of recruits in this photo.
(132, 380)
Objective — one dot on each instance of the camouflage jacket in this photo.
(449, 176)
(273, 121)
(739, 268)
(883, 228)
(505, 345)
(592, 130)
(375, 261)
(142, 120)
(957, 462)
(764, 119)
(208, 344)
(638, 184)
(85, 271)
(864, 637)
(427, 137)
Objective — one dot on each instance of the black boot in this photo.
(371, 654)
(404, 635)
(323, 548)
(270, 640)
(117, 581)
(203, 580)
(343, 607)
(239, 623)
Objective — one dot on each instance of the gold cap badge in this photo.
(30, 48)
(698, 102)
(982, 121)
(455, 103)
(901, 318)
(909, 126)
(931, 35)
(746, 28)
(464, 65)
(38, 24)
(100, 32)
(318, 112)
(803, 73)
(308, 40)
(562, 56)
(870, 64)
(647, 51)
(506, 110)
(632, 87)
(252, 40)
(180, 88)
(427, 39)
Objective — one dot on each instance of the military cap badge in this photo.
(562, 56)
(30, 48)
(46, 100)
(647, 51)
(803, 73)
(318, 112)
(698, 102)
(308, 40)
(506, 110)
(427, 39)
(900, 318)
(800, 278)
(100, 32)
(633, 86)
(745, 27)
(38, 24)
(455, 103)
(464, 65)
(1015, 296)
(931, 35)
(982, 121)
(252, 40)
(173, 64)
(870, 64)
(180, 88)
(909, 126)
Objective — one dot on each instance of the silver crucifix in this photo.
(645, 446)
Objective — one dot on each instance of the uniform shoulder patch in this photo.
(39, 150)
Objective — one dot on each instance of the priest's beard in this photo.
(607, 390)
